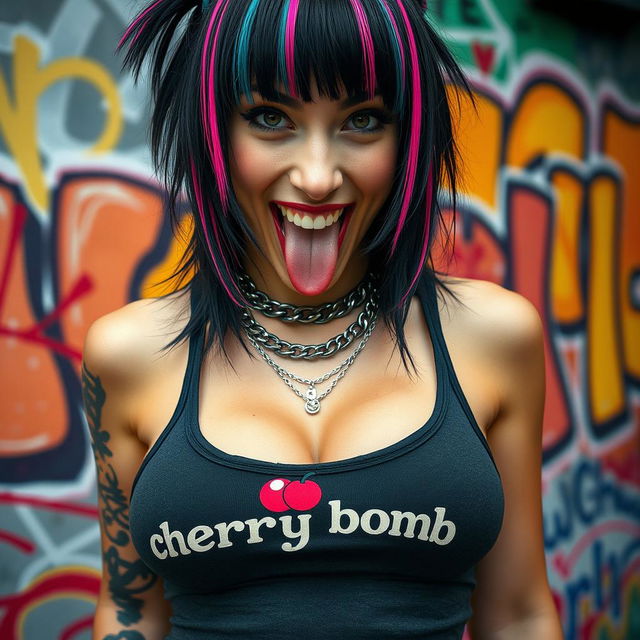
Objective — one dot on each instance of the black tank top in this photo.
(380, 545)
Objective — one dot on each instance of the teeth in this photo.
(310, 222)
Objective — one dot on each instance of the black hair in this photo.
(201, 57)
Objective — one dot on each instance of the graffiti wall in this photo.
(551, 210)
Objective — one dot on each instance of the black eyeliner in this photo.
(382, 116)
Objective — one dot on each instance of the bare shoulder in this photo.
(496, 335)
(125, 344)
(497, 319)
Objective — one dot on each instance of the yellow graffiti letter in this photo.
(18, 123)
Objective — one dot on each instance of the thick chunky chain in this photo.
(295, 351)
(311, 398)
(260, 301)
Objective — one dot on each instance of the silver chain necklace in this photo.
(260, 301)
(296, 351)
(311, 397)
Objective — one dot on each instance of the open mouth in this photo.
(285, 215)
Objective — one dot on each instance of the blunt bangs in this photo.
(204, 60)
(325, 47)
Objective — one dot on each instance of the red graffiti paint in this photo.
(484, 56)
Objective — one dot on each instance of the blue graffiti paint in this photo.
(583, 496)
(601, 582)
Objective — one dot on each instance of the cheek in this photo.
(252, 167)
(377, 169)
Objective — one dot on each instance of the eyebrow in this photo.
(360, 96)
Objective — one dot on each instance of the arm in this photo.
(512, 600)
(130, 603)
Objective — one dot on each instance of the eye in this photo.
(369, 120)
(270, 118)
(364, 121)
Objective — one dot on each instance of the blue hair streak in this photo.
(242, 53)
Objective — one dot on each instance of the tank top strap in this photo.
(186, 394)
(194, 363)
(428, 296)
(427, 292)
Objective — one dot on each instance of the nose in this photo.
(315, 172)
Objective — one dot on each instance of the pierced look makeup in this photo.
(310, 178)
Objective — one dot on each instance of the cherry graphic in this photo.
(271, 494)
(302, 494)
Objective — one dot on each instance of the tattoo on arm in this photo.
(115, 512)
(126, 579)
(93, 396)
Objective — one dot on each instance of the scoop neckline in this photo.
(400, 447)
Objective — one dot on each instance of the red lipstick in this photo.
(311, 208)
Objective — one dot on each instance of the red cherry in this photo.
(271, 494)
(302, 494)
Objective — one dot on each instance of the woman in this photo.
(337, 444)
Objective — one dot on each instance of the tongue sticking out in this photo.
(311, 256)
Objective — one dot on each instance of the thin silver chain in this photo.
(312, 399)
(260, 301)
